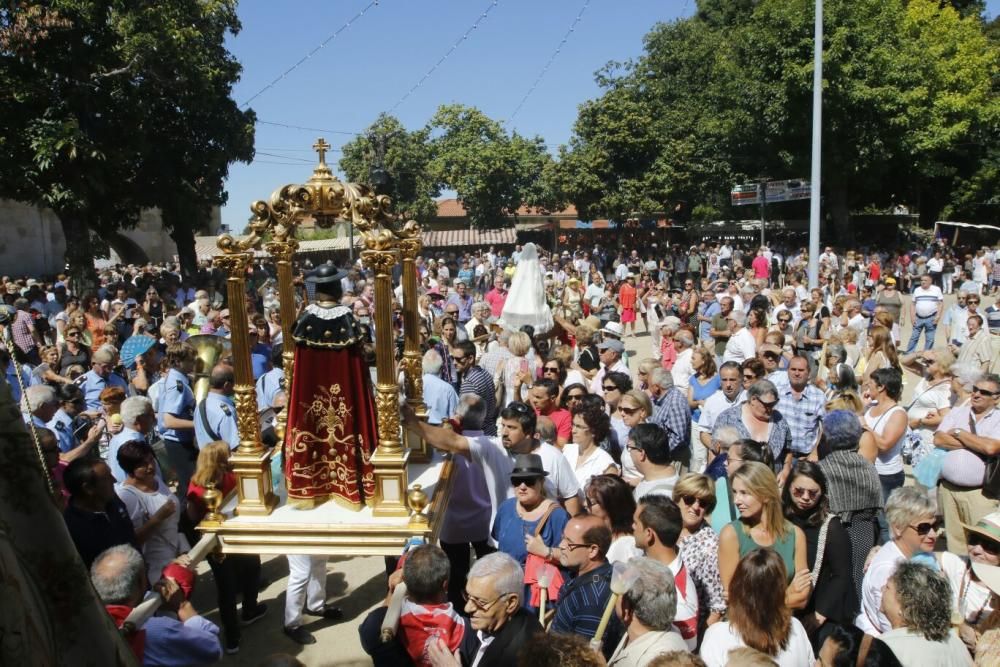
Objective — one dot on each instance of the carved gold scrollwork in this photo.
(245, 398)
(235, 265)
(387, 407)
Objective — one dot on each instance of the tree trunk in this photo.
(931, 202)
(183, 236)
(79, 254)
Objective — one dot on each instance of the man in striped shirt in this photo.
(473, 379)
(925, 312)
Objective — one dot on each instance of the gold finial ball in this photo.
(279, 430)
(417, 500)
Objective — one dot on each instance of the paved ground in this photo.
(355, 584)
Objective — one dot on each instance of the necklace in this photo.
(963, 597)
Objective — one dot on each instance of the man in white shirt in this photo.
(855, 318)
(496, 454)
(828, 260)
(682, 369)
(925, 313)
(790, 303)
(595, 292)
(729, 395)
(741, 345)
(610, 353)
(935, 267)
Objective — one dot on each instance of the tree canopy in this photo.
(112, 106)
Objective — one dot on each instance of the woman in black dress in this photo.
(828, 547)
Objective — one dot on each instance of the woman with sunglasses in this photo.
(972, 600)
(571, 395)
(610, 499)
(591, 425)
(828, 548)
(914, 528)
(634, 408)
(699, 545)
(515, 528)
(758, 419)
(751, 370)
(761, 523)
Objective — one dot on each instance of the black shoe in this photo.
(232, 649)
(257, 614)
(300, 635)
(333, 613)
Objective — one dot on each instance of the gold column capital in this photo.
(282, 251)
(234, 264)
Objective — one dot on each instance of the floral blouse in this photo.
(700, 553)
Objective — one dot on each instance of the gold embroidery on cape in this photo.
(328, 471)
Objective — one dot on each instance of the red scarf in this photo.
(137, 639)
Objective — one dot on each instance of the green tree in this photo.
(111, 107)
(406, 157)
(492, 172)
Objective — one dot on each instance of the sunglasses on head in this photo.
(519, 407)
(925, 527)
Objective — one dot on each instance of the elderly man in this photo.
(672, 413)
(730, 394)
(138, 421)
(971, 434)
(582, 599)
(439, 396)
(480, 314)
(497, 296)
(610, 353)
(926, 310)
(493, 602)
(803, 405)
(977, 351)
(42, 404)
(182, 638)
(100, 377)
(647, 612)
(741, 345)
(682, 369)
(656, 527)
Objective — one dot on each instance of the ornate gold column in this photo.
(282, 252)
(251, 462)
(390, 458)
(412, 363)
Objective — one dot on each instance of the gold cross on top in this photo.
(321, 147)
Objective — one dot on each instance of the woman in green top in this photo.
(762, 523)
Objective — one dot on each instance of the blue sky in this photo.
(371, 65)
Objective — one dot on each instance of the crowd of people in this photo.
(747, 477)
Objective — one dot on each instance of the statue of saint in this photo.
(331, 432)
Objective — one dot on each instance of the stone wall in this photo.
(32, 242)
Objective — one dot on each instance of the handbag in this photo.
(533, 566)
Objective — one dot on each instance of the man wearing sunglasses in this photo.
(971, 433)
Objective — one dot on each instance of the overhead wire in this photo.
(545, 68)
(454, 47)
(309, 55)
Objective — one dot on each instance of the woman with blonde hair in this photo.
(880, 352)
(762, 523)
(519, 344)
(698, 545)
(235, 574)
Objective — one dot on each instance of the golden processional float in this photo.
(411, 485)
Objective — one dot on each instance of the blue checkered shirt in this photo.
(804, 415)
(673, 415)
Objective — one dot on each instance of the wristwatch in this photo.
(956, 431)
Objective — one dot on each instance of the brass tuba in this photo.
(210, 350)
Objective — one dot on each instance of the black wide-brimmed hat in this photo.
(527, 466)
(325, 273)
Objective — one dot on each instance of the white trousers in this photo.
(306, 587)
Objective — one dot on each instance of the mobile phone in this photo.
(524, 365)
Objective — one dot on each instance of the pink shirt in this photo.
(496, 299)
(761, 267)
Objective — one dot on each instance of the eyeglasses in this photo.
(551, 369)
(985, 392)
(749, 376)
(799, 492)
(479, 604)
(972, 301)
(609, 387)
(628, 411)
(975, 539)
(574, 397)
(527, 481)
(691, 501)
(925, 527)
(768, 405)
(571, 546)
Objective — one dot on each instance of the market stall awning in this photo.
(469, 237)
